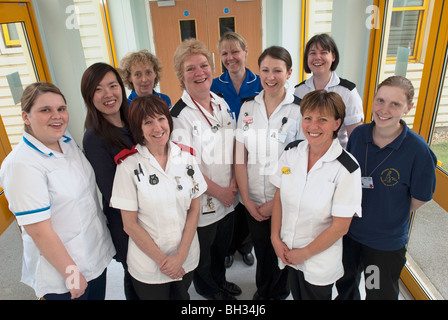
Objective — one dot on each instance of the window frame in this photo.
(420, 33)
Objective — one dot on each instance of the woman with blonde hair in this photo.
(203, 120)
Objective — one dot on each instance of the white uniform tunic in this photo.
(161, 205)
(354, 112)
(265, 139)
(42, 184)
(310, 200)
(213, 138)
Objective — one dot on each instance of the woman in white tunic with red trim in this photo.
(158, 187)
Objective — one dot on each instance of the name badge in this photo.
(279, 136)
(209, 207)
(367, 183)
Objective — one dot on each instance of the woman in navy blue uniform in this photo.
(107, 133)
(141, 72)
(398, 176)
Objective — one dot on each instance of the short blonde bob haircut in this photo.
(186, 49)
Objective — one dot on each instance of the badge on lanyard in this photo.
(282, 134)
(209, 207)
(367, 183)
(190, 173)
(179, 186)
(247, 120)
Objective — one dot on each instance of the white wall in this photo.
(65, 57)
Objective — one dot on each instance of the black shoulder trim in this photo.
(248, 99)
(177, 108)
(297, 100)
(293, 144)
(347, 84)
(219, 94)
(303, 82)
(348, 162)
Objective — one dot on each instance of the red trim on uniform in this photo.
(123, 154)
(186, 148)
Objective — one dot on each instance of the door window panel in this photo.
(17, 70)
(187, 29)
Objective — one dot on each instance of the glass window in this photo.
(406, 32)
(95, 34)
(187, 29)
(226, 24)
(10, 35)
(18, 71)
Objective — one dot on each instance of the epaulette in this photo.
(344, 158)
(347, 84)
(177, 108)
(248, 99)
(123, 154)
(348, 162)
(219, 94)
(297, 100)
(186, 148)
(303, 82)
(293, 144)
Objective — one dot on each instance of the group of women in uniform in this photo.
(323, 196)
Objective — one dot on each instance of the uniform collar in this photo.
(250, 77)
(334, 81)
(331, 155)
(289, 98)
(35, 144)
(216, 100)
(173, 151)
(396, 144)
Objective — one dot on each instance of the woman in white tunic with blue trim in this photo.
(158, 189)
(319, 191)
(51, 189)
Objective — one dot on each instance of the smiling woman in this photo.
(51, 189)
(47, 120)
(203, 121)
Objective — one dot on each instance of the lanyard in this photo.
(367, 151)
(203, 114)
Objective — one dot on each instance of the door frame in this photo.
(12, 12)
(431, 83)
(24, 10)
(205, 38)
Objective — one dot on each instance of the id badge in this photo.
(209, 207)
(281, 137)
(367, 182)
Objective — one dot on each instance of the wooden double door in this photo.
(205, 20)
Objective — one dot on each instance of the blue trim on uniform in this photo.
(66, 140)
(18, 214)
(164, 97)
(34, 147)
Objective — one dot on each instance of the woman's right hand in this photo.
(280, 248)
(77, 285)
(254, 211)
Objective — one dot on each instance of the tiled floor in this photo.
(12, 289)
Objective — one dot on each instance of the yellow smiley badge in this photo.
(285, 170)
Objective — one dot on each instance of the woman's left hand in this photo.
(296, 256)
(172, 267)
